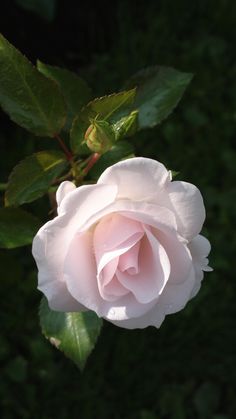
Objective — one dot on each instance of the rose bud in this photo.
(100, 136)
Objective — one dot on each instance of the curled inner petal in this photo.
(114, 236)
(153, 271)
(129, 259)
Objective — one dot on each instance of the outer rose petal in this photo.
(63, 189)
(137, 179)
(175, 296)
(199, 248)
(79, 271)
(87, 200)
(125, 308)
(178, 254)
(50, 283)
(154, 317)
(59, 298)
(52, 241)
(187, 203)
(146, 180)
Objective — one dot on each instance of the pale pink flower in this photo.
(127, 247)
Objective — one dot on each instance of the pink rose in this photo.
(127, 247)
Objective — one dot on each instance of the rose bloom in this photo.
(127, 247)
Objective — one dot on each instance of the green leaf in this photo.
(74, 89)
(107, 106)
(31, 178)
(174, 173)
(119, 151)
(159, 90)
(17, 227)
(44, 8)
(126, 126)
(78, 130)
(75, 334)
(31, 99)
(104, 108)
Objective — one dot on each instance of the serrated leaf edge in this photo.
(28, 89)
(12, 174)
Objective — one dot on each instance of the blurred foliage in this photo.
(46, 9)
(185, 370)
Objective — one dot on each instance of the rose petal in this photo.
(154, 271)
(107, 257)
(80, 271)
(124, 308)
(173, 299)
(137, 178)
(52, 241)
(187, 203)
(199, 248)
(112, 231)
(58, 296)
(113, 236)
(178, 254)
(64, 188)
(198, 281)
(50, 281)
(109, 270)
(114, 290)
(122, 248)
(80, 261)
(150, 214)
(175, 296)
(87, 200)
(153, 317)
(129, 261)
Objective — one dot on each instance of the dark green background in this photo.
(186, 369)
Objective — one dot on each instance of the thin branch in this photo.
(67, 152)
(91, 162)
